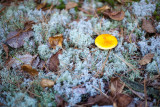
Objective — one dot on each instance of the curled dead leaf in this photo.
(6, 49)
(55, 41)
(46, 83)
(40, 6)
(146, 59)
(100, 100)
(71, 5)
(115, 15)
(147, 25)
(101, 9)
(54, 61)
(29, 70)
(118, 16)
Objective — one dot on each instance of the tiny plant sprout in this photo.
(106, 42)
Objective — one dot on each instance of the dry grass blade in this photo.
(100, 91)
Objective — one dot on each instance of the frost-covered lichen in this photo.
(44, 51)
(80, 33)
(20, 100)
(142, 8)
(151, 46)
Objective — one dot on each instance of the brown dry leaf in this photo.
(6, 49)
(16, 39)
(147, 25)
(99, 100)
(29, 70)
(101, 9)
(122, 100)
(146, 59)
(116, 86)
(115, 15)
(118, 16)
(70, 5)
(54, 61)
(60, 101)
(40, 6)
(56, 41)
(18, 60)
(46, 83)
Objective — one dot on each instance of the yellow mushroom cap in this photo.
(106, 41)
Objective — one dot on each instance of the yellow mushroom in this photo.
(106, 41)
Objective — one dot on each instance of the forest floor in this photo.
(49, 56)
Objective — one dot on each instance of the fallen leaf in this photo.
(147, 25)
(29, 70)
(122, 100)
(16, 39)
(70, 5)
(40, 6)
(6, 49)
(146, 59)
(56, 41)
(99, 100)
(54, 61)
(101, 9)
(60, 101)
(46, 83)
(17, 60)
(116, 86)
(119, 16)
(115, 15)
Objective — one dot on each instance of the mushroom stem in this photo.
(106, 59)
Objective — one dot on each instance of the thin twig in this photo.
(100, 91)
